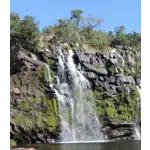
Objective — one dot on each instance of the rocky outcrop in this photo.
(32, 103)
(114, 89)
(113, 75)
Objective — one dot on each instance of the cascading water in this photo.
(136, 126)
(137, 135)
(78, 120)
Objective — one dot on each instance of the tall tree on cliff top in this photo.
(76, 16)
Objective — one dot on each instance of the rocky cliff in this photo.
(114, 76)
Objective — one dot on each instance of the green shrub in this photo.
(25, 31)
(12, 143)
(98, 40)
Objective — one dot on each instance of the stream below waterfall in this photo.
(119, 145)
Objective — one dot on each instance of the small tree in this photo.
(120, 34)
(76, 16)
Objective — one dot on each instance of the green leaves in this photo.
(24, 31)
(98, 40)
(76, 16)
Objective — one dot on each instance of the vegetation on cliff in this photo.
(120, 107)
(77, 31)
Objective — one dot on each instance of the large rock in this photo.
(119, 130)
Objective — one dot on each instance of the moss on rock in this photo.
(120, 107)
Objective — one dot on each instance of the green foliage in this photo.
(110, 111)
(76, 29)
(98, 40)
(76, 16)
(52, 120)
(32, 116)
(48, 30)
(43, 74)
(24, 31)
(66, 31)
(12, 143)
(117, 107)
(50, 61)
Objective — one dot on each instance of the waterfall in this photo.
(136, 126)
(47, 74)
(78, 119)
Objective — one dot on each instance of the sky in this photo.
(113, 12)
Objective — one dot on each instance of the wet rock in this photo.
(114, 134)
(119, 130)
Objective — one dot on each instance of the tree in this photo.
(120, 34)
(120, 29)
(66, 31)
(93, 22)
(14, 26)
(88, 25)
(48, 30)
(25, 31)
(76, 16)
(111, 36)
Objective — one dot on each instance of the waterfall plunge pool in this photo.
(111, 145)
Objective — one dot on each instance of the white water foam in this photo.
(78, 119)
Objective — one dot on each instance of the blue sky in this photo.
(112, 12)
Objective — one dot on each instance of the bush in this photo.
(24, 32)
(98, 40)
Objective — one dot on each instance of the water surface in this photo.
(118, 145)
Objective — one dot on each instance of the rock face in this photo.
(34, 111)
